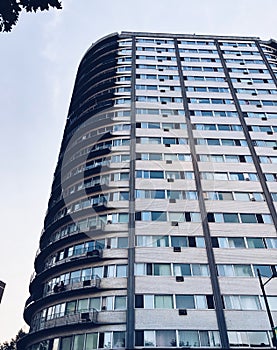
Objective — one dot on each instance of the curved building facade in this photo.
(163, 205)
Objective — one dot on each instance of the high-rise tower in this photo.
(163, 203)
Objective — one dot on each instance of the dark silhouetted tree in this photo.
(10, 10)
(12, 344)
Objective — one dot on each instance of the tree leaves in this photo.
(10, 10)
(12, 344)
(9, 13)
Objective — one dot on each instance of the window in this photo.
(189, 339)
(165, 338)
(78, 342)
(255, 243)
(271, 242)
(230, 217)
(252, 339)
(66, 343)
(163, 302)
(120, 303)
(162, 270)
(94, 303)
(185, 302)
(149, 338)
(179, 241)
(242, 302)
(248, 218)
(121, 271)
(265, 270)
(82, 304)
(235, 270)
(118, 339)
(182, 269)
(91, 341)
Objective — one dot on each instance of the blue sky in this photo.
(38, 64)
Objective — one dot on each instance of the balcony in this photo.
(64, 320)
(95, 254)
(93, 282)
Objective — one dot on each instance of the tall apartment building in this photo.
(163, 203)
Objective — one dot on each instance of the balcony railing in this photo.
(81, 254)
(62, 320)
(92, 282)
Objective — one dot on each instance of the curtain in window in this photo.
(163, 302)
(166, 338)
(91, 341)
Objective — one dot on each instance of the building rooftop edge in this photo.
(191, 36)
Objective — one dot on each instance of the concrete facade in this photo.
(163, 203)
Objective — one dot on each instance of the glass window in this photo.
(118, 339)
(185, 302)
(265, 270)
(78, 342)
(158, 216)
(66, 343)
(250, 302)
(242, 270)
(201, 302)
(230, 217)
(75, 276)
(165, 338)
(156, 174)
(200, 242)
(188, 339)
(236, 242)
(182, 270)
(179, 241)
(121, 271)
(120, 303)
(94, 303)
(83, 304)
(162, 270)
(204, 338)
(248, 218)
(148, 301)
(225, 270)
(267, 218)
(140, 269)
(258, 339)
(122, 242)
(91, 341)
(149, 338)
(272, 302)
(86, 274)
(163, 302)
(223, 242)
(108, 340)
(255, 243)
(200, 270)
(70, 307)
(271, 242)
(179, 217)
(241, 196)
(232, 302)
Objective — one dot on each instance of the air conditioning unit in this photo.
(177, 249)
(85, 317)
(174, 223)
(183, 312)
(86, 283)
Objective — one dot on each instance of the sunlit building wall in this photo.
(163, 203)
